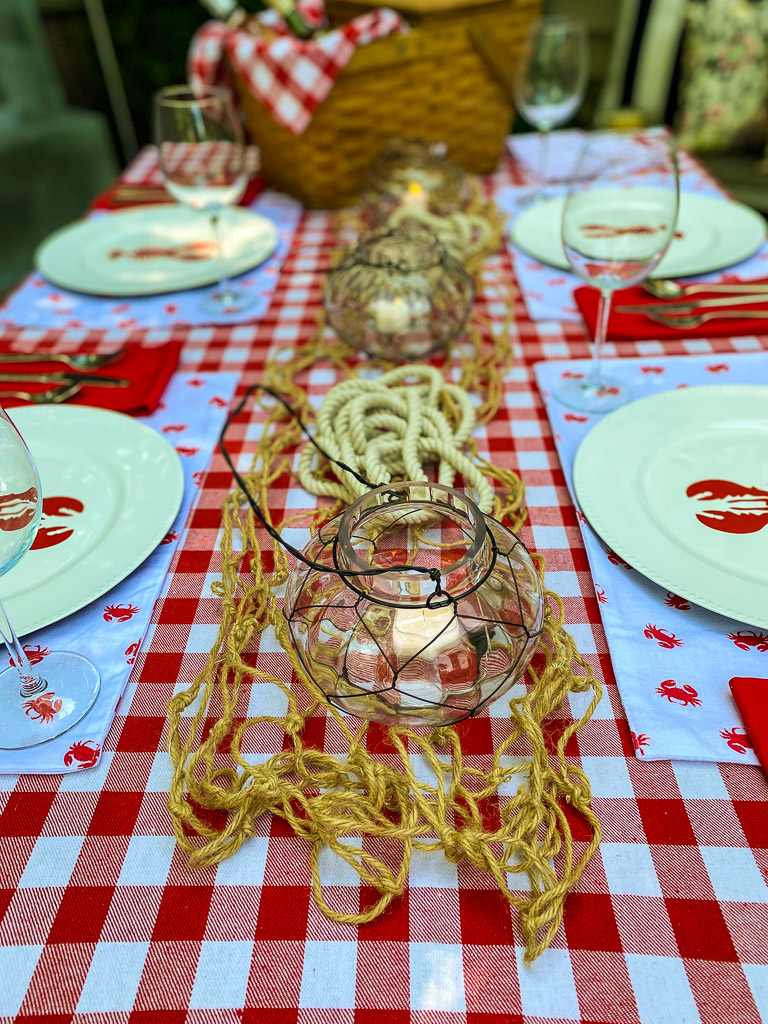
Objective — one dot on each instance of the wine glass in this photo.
(615, 231)
(550, 76)
(202, 155)
(33, 707)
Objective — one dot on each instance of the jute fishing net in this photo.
(331, 800)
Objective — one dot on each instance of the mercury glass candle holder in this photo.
(410, 172)
(398, 295)
(392, 645)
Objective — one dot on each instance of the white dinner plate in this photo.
(711, 234)
(111, 490)
(152, 250)
(677, 484)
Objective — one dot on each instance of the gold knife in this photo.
(692, 304)
(63, 377)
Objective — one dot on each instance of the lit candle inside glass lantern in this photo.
(391, 316)
(415, 629)
(415, 196)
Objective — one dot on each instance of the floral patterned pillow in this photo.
(724, 89)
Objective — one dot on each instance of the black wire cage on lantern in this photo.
(413, 607)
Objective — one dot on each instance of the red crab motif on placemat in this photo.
(120, 612)
(42, 708)
(83, 752)
(640, 741)
(748, 638)
(35, 654)
(678, 694)
(736, 739)
(662, 636)
(675, 601)
(730, 507)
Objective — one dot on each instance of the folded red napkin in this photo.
(147, 367)
(751, 696)
(110, 198)
(636, 326)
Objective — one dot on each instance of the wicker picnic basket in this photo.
(445, 81)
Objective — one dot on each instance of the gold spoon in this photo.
(696, 319)
(667, 289)
(78, 361)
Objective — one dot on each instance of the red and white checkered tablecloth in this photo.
(102, 922)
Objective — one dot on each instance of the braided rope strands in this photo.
(388, 427)
(332, 799)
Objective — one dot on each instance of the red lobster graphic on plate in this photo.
(662, 636)
(678, 694)
(730, 507)
(18, 510)
(42, 708)
(51, 531)
(610, 231)
(747, 638)
(188, 251)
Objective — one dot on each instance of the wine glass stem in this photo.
(30, 682)
(601, 329)
(543, 154)
(225, 287)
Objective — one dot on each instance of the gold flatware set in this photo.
(685, 313)
(65, 383)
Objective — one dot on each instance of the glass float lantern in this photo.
(439, 616)
(398, 295)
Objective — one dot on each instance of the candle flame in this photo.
(415, 189)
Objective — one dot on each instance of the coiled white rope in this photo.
(394, 426)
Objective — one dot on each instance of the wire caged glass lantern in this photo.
(419, 609)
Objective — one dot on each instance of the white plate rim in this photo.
(169, 495)
(618, 525)
(544, 255)
(68, 239)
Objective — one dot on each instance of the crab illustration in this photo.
(573, 417)
(678, 694)
(42, 708)
(663, 636)
(736, 739)
(186, 450)
(675, 601)
(174, 428)
(718, 368)
(569, 375)
(131, 652)
(195, 382)
(747, 638)
(35, 654)
(600, 594)
(83, 752)
(120, 612)
(170, 537)
(640, 740)
(615, 559)
(197, 477)
(581, 517)
(651, 369)
(217, 402)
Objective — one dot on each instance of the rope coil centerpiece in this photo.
(217, 793)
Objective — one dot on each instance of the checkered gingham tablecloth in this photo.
(102, 922)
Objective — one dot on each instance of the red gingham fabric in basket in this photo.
(291, 77)
(103, 922)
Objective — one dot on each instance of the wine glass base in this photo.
(73, 685)
(594, 396)
(227, 302)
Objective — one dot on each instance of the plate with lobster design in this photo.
(677, 484)
(151, 250)
(111, 490)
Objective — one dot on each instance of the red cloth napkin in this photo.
(107, 200)
(637, 327)
(147, 367)
(751, 696)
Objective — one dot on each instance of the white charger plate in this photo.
(677, 484)
(711, 234)
(140, 251)
(130, 483)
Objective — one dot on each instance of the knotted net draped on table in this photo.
(328, 799)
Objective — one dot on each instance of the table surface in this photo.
(101, 919)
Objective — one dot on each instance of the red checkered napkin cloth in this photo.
(290, 76)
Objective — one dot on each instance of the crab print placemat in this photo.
(111, 630)
(672, 659)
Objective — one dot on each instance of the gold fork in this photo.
(53, 396)
(78, 361)
(696, 319)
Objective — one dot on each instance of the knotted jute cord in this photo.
(327, 799)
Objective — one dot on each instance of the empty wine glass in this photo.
(33, 707)
(202, 155)
(550, 76)
(617, 224)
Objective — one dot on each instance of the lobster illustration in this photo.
(42, 708)
(747, 638)
(736, 739)
(18, 510)
(730, 507)
(83, 752)
(120, 612)
(189, 251)
(50, 535)
(678, 694)
(662, 636)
